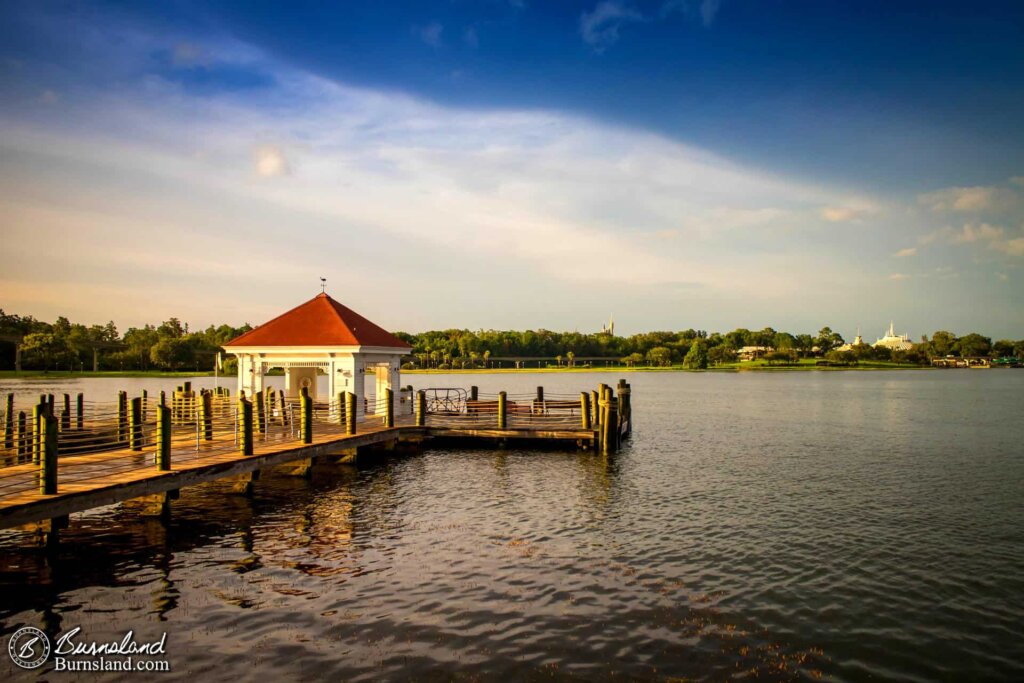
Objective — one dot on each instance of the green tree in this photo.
(721, 354)
(660, 355)
(172, 352)
(171, 328)
(697, 356)
(973, 344)
(804, 342)
(828, 340)
(46, 349)
(942, 343)
(1002, 348)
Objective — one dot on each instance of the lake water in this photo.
(849, 525)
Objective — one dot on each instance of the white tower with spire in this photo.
(896, 342)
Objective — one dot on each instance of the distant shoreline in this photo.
(732, 367)
(113, 374)
(754, 366)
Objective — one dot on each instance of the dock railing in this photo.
(83, 441)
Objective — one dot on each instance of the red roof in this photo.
(321, 321)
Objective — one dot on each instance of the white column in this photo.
(332, 392)
(395, 375)
(359, 385)
(257, 377)
(350, 378)
(241, 373)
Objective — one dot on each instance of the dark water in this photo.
(853, 526)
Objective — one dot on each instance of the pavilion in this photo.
(320, 335)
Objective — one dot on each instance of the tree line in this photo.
(63, 345)
(172, 346)
(692, 348)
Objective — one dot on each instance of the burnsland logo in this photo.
(30, 648)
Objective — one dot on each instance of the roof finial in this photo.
(323, 285)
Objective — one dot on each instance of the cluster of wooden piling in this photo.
(610, 413)
(605, 420)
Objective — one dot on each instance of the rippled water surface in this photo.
(848, 525)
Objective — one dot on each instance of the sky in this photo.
(516, 164)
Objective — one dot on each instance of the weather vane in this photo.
(323, 285)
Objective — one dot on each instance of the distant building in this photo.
(857, 341)
(753, 352)
(609, 329)
(896, 342)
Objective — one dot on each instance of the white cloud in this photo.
(995, 237)
(270, 161)
(600, 26)
(1013, 247)
(909, 251)
(708, 10)
(430, 34)
(972, 232)
(899, 276)
(975, 200)
(1018, 180)
(841, 214)
(189, 54)
(547, 193)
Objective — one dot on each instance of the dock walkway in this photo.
(99, 458)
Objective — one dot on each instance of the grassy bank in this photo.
(758, 365)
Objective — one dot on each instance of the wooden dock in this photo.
(62, 462)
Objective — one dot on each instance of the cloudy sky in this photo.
(517, 163)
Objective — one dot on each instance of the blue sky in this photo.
(518, 164)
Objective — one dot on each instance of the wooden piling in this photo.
(474, 394)
(206, 416)
(421, 408)
(48, 463)
(122, 416)
(22, 437)
(261, 413)
(341, 409)
(538, 404)
(163, 438)
(38, 412)
(307, 416)
(626, 416)
(502, 410)
(136, 436)
(284, 411)
(80, 412)
(389, 407)
(244, 425)
(350, 412)
(595, 405)
(9, 422)
(585, 409)
(609, 429)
